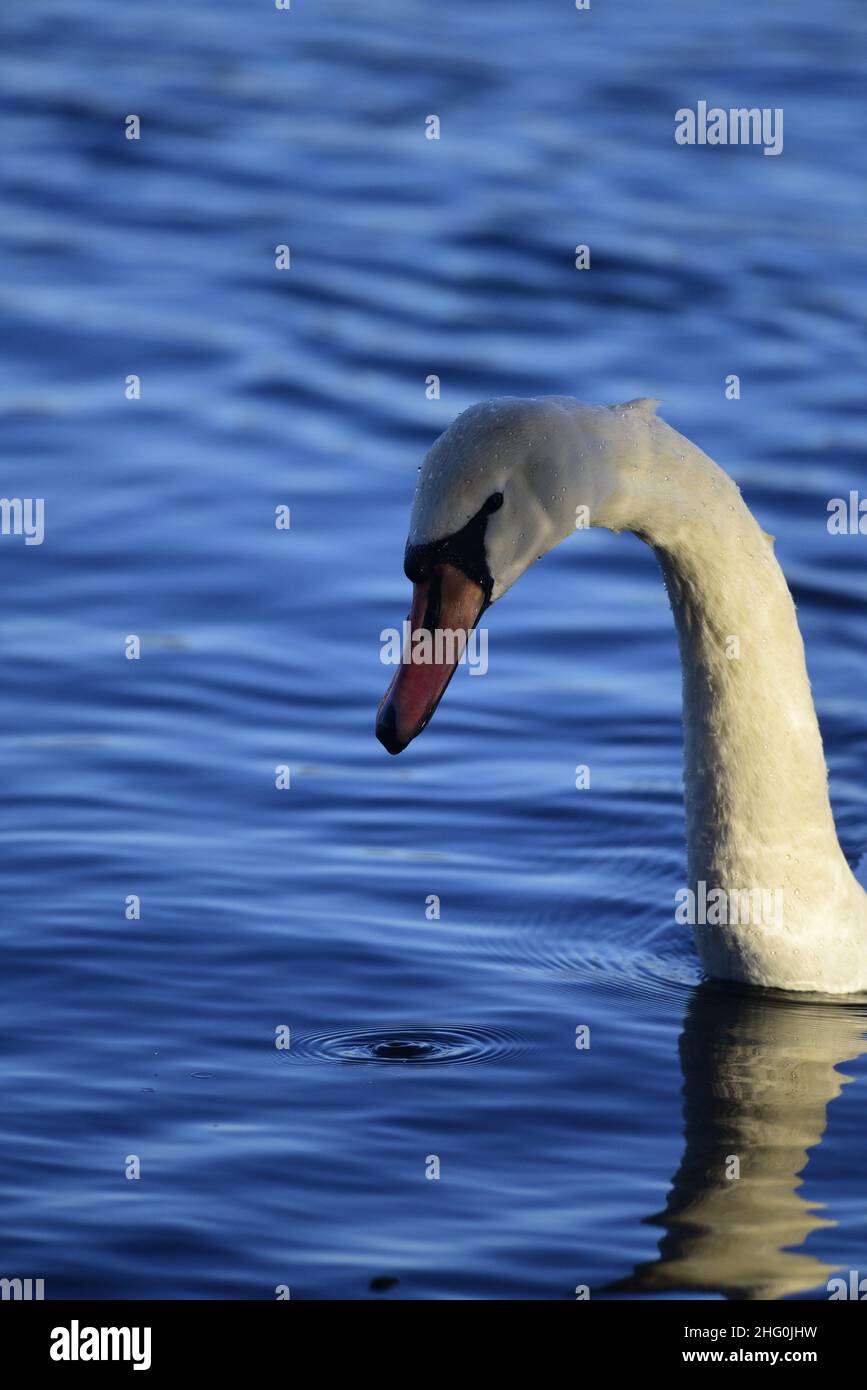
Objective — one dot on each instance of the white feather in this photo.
(758, 814)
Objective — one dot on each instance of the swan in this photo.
(511, 478)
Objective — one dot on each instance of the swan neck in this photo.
(758, 812)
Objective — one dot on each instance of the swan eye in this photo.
(493, 504)
(465, 549)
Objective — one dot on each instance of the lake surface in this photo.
(305, 909)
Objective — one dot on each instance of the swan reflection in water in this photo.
(759, 1073)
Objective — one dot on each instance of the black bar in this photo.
(232, 1338)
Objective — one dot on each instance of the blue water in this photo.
(304, 908)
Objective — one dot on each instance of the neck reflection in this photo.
(759, 1072)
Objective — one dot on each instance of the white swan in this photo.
(506, 482)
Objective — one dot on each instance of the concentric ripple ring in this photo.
(411, 1046)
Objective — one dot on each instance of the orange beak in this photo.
(446, 607)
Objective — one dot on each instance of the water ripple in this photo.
(419, 1046)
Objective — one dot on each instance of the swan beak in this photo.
(445, 608)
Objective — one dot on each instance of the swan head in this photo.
(498, 489)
